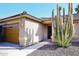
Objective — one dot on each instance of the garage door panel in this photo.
(12, 35)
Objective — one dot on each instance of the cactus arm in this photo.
(63, 27)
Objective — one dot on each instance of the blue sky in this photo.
(35, 9)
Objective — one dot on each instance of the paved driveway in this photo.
(7, 45)
(9, 49)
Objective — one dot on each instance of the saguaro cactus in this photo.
(63, 26)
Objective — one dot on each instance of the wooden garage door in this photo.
(12, 35)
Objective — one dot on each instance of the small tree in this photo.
(63, 27)
(77, 8)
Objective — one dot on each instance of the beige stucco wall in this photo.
(76, 32)
(31, 32)
(22, 33)
(34, 30)
(45, 32)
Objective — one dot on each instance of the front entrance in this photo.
(49, 32)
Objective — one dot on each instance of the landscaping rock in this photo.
(53, 50)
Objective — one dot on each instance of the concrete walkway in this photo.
(22, 52)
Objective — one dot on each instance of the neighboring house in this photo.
(25, 29)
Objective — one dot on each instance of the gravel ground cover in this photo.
(54, 50)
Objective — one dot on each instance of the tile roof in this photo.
(75, 17)
(21, 14)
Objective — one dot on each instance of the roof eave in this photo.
(21, 16)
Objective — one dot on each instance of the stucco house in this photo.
(25, 29)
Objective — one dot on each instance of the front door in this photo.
(49, 32)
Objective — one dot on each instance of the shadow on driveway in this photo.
(7, 45)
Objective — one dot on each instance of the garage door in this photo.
(12, 35)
